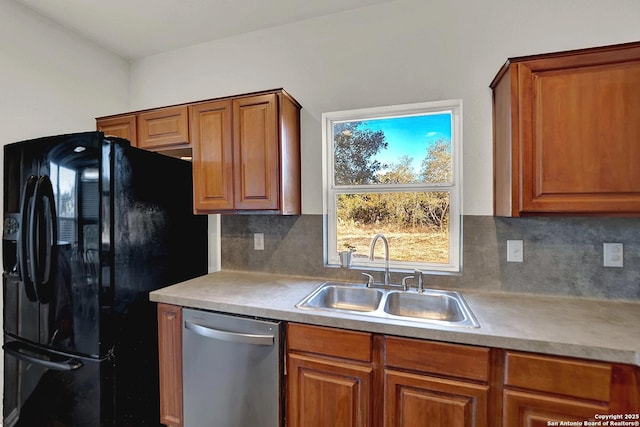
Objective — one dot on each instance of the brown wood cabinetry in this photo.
(429, 383)
(163, 129)
(170, 361)
(211, 133)
(347, 378)
(245, 149)
(567, 133)
(246, 154)
(123, 126)
(542, 389)
(337, 377)
(329, 377)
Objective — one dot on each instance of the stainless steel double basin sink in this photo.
(430, 306)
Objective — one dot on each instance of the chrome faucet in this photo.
(386, 255)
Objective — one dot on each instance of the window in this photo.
(396, 171)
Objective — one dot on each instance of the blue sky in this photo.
(410, 135)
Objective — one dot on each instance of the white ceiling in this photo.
(138, 28)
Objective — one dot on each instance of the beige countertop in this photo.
(588, 328)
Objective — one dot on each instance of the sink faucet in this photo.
(386, 255)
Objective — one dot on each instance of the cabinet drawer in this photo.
(329, 342)
(570, 377)
(163, 127)
(439, 358)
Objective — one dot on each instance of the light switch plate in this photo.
(515, 251)
(613, 254)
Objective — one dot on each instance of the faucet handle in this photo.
(418, 274)
(369, 279)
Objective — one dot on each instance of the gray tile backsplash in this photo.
(562, 255)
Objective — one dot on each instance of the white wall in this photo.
(397, 52)
(52, 82)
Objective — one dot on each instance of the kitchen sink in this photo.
(343, 297)
(435, 306)
(429, 306)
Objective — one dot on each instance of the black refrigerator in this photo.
(91, 225)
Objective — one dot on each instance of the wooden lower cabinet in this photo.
(435, 384)
(413, 400)
(326, 392)
(528, 409)
(347, 378)
(330, 377)
(170, 361)
(541, 390)
(344, 378)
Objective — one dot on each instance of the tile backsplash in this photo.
(562, 255)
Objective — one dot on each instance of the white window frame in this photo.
(454, 188)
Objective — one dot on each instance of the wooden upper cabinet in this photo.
(163, 128)
(567, 133)
(255, 140)
(123, 126)
(211, 129)
(247, 154)
(245, 149)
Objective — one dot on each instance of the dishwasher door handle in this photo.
(234, 337)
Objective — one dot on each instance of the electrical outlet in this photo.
(515, 251)
(613, 254)
(258, 241)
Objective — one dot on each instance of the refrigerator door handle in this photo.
(43, 248)
(38, 357)
(235, 337)
(24, 237)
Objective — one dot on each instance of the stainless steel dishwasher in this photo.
(232, 371)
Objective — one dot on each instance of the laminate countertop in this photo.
(606, 330)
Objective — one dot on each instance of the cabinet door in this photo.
(523, 409)
(120, 126)
(581, 146)
(211, 126)
(170, 361)
(163, 128)
(327, 392)
(256, 159)
(567, 133)
(412, 400)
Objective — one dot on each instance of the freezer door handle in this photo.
(36, 356)
(229, 336)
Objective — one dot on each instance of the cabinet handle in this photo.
(235, 337)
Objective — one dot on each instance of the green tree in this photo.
(436, 166)
(399, 173)
(354, 148)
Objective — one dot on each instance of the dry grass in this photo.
(428, 244)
